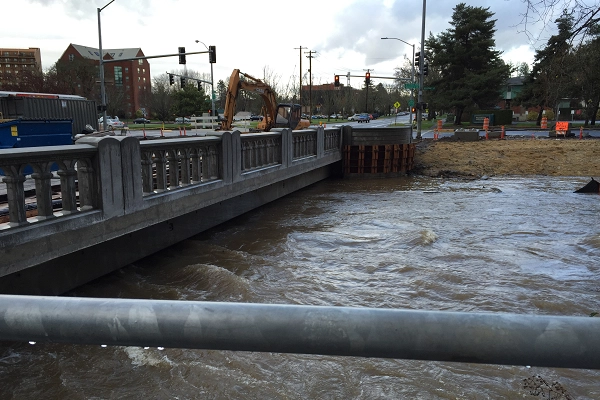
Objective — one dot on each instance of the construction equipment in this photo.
(274, 115)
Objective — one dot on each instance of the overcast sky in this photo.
(254, 35)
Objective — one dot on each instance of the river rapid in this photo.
(525, 245)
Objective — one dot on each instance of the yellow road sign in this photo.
(397, 105)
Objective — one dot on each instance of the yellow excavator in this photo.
(274, 115)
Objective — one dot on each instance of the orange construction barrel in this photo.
(486, 124)
(544, 123)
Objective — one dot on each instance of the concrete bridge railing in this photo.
(123, 199)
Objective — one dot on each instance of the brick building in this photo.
(13, 62)
(127, 82)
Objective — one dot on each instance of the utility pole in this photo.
(300, 95)
(310, 57)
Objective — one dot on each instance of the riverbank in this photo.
(551, 157)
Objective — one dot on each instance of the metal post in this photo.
(487, 338)
(212, 90)
(102, 90)
(421, 60)
(412, 91)
(102, 83)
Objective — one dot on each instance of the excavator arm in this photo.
(251, 84)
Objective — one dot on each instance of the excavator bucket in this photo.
(593, 186)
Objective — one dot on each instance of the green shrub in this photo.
(532, 116)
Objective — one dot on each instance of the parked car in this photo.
(141, 121)
(354, 117)
(111, 123)
(363, 118)
(182, 120)
(256, 118)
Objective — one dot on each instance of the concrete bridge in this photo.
(124, 199)
(121, 199)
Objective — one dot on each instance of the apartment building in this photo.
(14, 62)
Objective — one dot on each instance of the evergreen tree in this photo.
(471, 71)
(586, 80)
(552, 70)
(189, 100)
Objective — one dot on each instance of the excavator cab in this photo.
(289, 116)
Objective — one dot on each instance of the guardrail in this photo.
(485, 338)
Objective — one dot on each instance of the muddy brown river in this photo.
(525, 245)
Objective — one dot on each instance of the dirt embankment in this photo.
(563, 157)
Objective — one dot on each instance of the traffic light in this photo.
(413, 109)
(199, 86)
(337, 81)
(182, 81)
(212, 54)
(368, 78)
(171, 79)
(417, 59)
(425, 69)
(182, 55)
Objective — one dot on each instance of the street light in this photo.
(212, 84)
(102, 89)
(412, 97)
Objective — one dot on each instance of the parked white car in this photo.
(182, 120)
(354, 117)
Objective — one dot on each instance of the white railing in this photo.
(205, 122)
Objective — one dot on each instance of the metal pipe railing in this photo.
(489, 338)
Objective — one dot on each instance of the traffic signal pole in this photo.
(421, 63)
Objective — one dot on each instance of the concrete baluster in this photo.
(251, 155)
(213, 165)
(43, 189)
(196, 161)
(173, 159)
(270, 153)
(262, 158)
(184, 155)
(68, 187)
(245, 150)
(15, 193)
(160, 160)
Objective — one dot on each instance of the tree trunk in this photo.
(594, 112)
(457, 119)
(540, 115)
